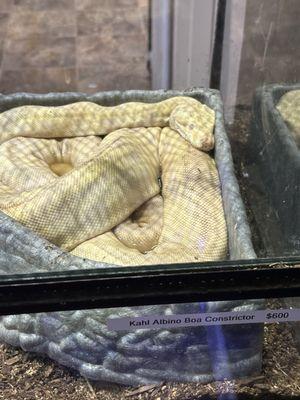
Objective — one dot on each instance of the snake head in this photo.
(195, 123)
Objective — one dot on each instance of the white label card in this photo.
(203, 319)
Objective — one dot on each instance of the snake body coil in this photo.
(146, 193)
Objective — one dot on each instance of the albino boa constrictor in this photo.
(147, 193)
(289, 108)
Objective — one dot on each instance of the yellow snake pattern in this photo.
(289, 108)
(129, 185)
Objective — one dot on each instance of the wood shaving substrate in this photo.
(27, 376)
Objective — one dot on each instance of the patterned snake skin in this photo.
(147, 193)
(80, 339)
(289, 108)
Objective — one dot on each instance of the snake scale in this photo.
(289, 108)
(129, 184)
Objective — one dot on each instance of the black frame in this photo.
(161, 284)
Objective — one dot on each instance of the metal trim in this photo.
(136, 286)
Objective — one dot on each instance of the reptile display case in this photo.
(80, 339)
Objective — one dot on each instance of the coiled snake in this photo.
(146, 193)
(289, 108)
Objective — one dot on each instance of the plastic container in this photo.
(81, 340)
(278, 158)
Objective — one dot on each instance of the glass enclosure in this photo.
(145, 133)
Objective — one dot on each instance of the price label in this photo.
(203, 319)
(277, 315)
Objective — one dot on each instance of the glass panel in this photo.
(220, 349)
(98, 171)
(150, 183)
(260, 119)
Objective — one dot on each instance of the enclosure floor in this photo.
(27, 377)
(73, 45)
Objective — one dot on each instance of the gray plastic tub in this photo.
(81, 340)
(277, 155)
